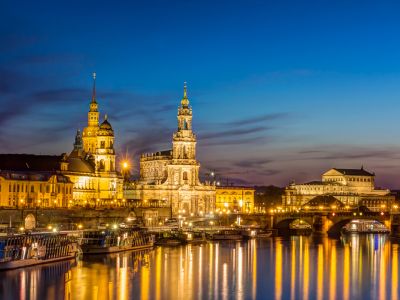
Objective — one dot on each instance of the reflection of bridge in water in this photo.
(331, 223)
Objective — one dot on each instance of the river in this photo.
(354, 267)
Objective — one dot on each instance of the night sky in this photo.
(280, 90)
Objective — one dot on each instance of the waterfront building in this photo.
(34, 181)
(171, 177)
(87, 176)
(91, 164)
(235, 199)
(352, 187)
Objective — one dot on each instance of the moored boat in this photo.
(25, 250)
(110, 241)
(234, 235)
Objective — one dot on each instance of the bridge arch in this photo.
(283, 225)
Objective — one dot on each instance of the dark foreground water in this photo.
(356, 267)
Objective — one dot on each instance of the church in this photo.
(85, 177)
(91, 164)
(171, 178)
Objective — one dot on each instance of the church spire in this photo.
(185, 100)
(94, 88)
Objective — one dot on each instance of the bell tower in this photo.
(184, 140)
(90, 132)
(184, 169)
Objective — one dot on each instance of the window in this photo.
(102, 144)
(32, 189)
(185, 176)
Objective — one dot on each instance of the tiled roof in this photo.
(30, 162)
(354, 172)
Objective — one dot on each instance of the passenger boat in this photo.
(225, 235)
(110, 241)
(25, 250)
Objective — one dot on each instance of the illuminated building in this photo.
(44, 180)
(171, 178)
(234, 199)
(33, 181)
(91, 164)
(352, 187)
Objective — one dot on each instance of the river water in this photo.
(354, 267)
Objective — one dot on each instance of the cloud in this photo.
(252, 163)
(259, 119)
(232, 132)
(346, 152)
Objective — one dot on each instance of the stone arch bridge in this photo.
(332, 223)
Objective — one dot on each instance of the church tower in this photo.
(186, 168)
(184, 140)
(90, 132)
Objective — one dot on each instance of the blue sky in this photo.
(280, 91)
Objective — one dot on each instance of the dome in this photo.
(106, 125)
(105, 128)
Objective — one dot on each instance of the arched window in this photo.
(185, 176)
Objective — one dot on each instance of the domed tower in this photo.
(105, 154)
(90, 132)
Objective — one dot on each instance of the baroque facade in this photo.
(91, 164)
(86, 177)
(235, 199)
(352, 187)
(33, 181)
(171, 178)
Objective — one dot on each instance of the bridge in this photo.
(331, 223)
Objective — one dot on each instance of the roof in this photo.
(105, 125)
(30, 162)
(81, 165)
(354, 172)
(322, 200)
(32, 176)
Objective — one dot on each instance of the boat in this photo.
(234, 235)
(194, 237)
(256, 233)
(110, 241)
(26, 250)
(364, 227)
(171, 238)
(169, 241)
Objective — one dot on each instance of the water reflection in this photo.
(355, 267)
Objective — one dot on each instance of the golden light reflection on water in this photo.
(395, 272)
(293, 271)
(332, 274)
(306, 273)
(278, 271)
(320, 272)
(278, 268)
(346, 272)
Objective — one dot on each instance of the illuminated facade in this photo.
(171, 178)
(353, 187)
(91, 164)
(234, 199)
(33, 181)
